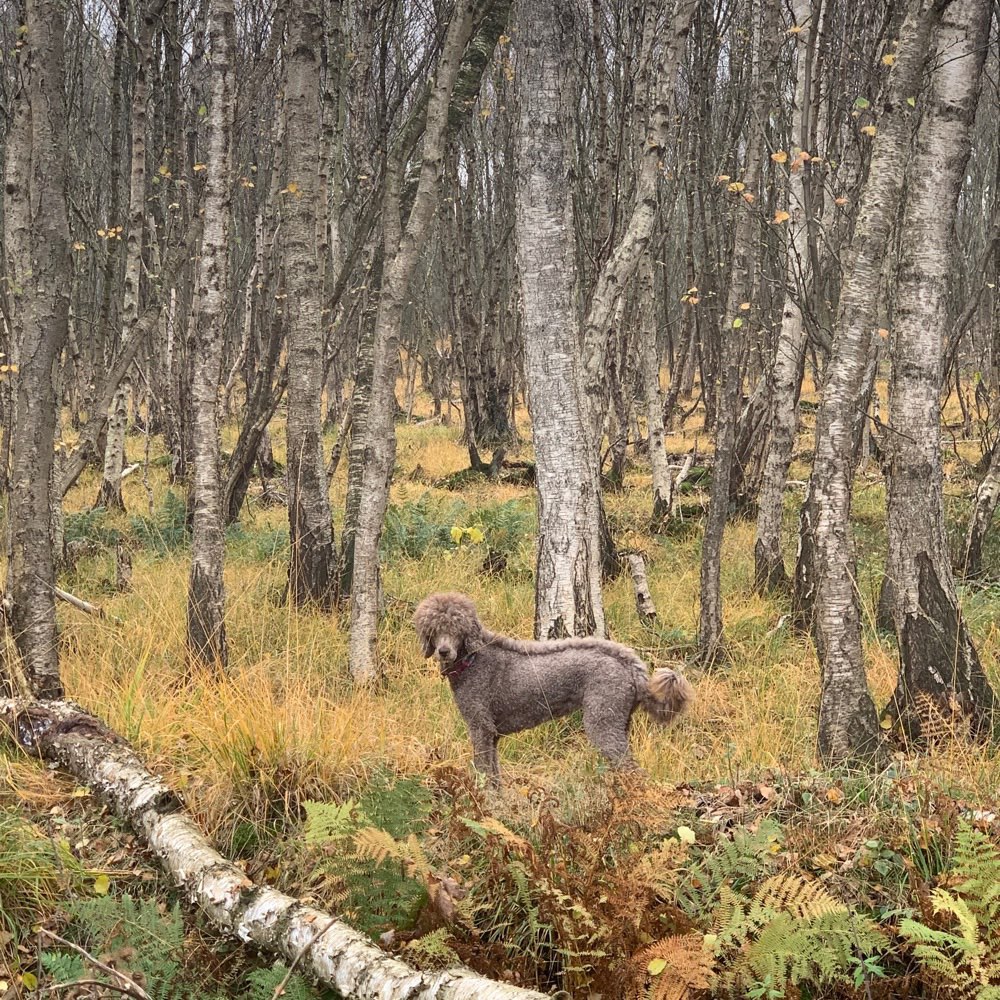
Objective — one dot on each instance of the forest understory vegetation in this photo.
(732, 866)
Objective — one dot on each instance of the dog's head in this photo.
(446, 625)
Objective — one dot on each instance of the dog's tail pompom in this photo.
(668, 695)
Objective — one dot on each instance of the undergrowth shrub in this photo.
(364, 856)
(958, 943)
(167, 530)
(146, 940)
(35, 872)
(417, 526)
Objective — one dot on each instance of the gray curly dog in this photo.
(503, 685)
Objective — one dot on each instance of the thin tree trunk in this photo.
(401, 252)
(848, 723)
(649, 361)
(39, 274)
(110, 493)
(568, 576)
(938, 661)
(733, 340)
(786, 376)
(312, 564)
(323, 948)
(206, 629)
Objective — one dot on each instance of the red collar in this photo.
(459, 667)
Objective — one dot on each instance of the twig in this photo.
(280, 988)
(129, 987)
(79, 602)
(55, 987)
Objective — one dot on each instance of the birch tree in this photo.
(312, 565)
(37, 245)
(734, 336)
(567, 577)
(786, 377)
(938, 660)
(401, 246)
(848, 724)
(206, 630)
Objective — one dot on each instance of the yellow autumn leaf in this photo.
(723, 178)
(736, 186)
(292, 188)
(869, 129)
(504, 39)
(475, 536)
(883, 333)
(737, 323)
(795, 29)
(748, 197)
(656, 966)
(840, 201)
(781, 216)
(79, 246)
(888, 59)
(779, 156)
(744, 306)
(102, 885)
(102, 232)
(835, 795)
(456, 534)
(685, 835)
(198, 167)
(30, 981)
(164, 170)
(694, 300)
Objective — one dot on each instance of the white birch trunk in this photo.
(36, 231)
(937, 658)
(206, 629)
(568, 574)
(110, 493)
(786, 377)
(848, 724)
(325, 949)
(312, 564)
(401, 251)
(649, 362)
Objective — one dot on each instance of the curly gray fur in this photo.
(503, 685)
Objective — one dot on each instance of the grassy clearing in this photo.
(284, 728)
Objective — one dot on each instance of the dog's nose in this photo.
(443, 650)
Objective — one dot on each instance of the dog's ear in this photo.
(426, 646)
(421, 624)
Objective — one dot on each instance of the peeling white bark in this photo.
(340, 957)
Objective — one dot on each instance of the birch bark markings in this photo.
(206, 630)
(848, 724)
(312, 561)
(401, 252)
(786, 377)
(937, 658)
(732, 340)
(568, 572)
(39, 272)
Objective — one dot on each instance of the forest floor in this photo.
(560, 880)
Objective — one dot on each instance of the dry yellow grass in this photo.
(284, 724)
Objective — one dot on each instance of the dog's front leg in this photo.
(484, 754)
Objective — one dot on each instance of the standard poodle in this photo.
(504, 685)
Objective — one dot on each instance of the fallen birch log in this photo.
(340, 956)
